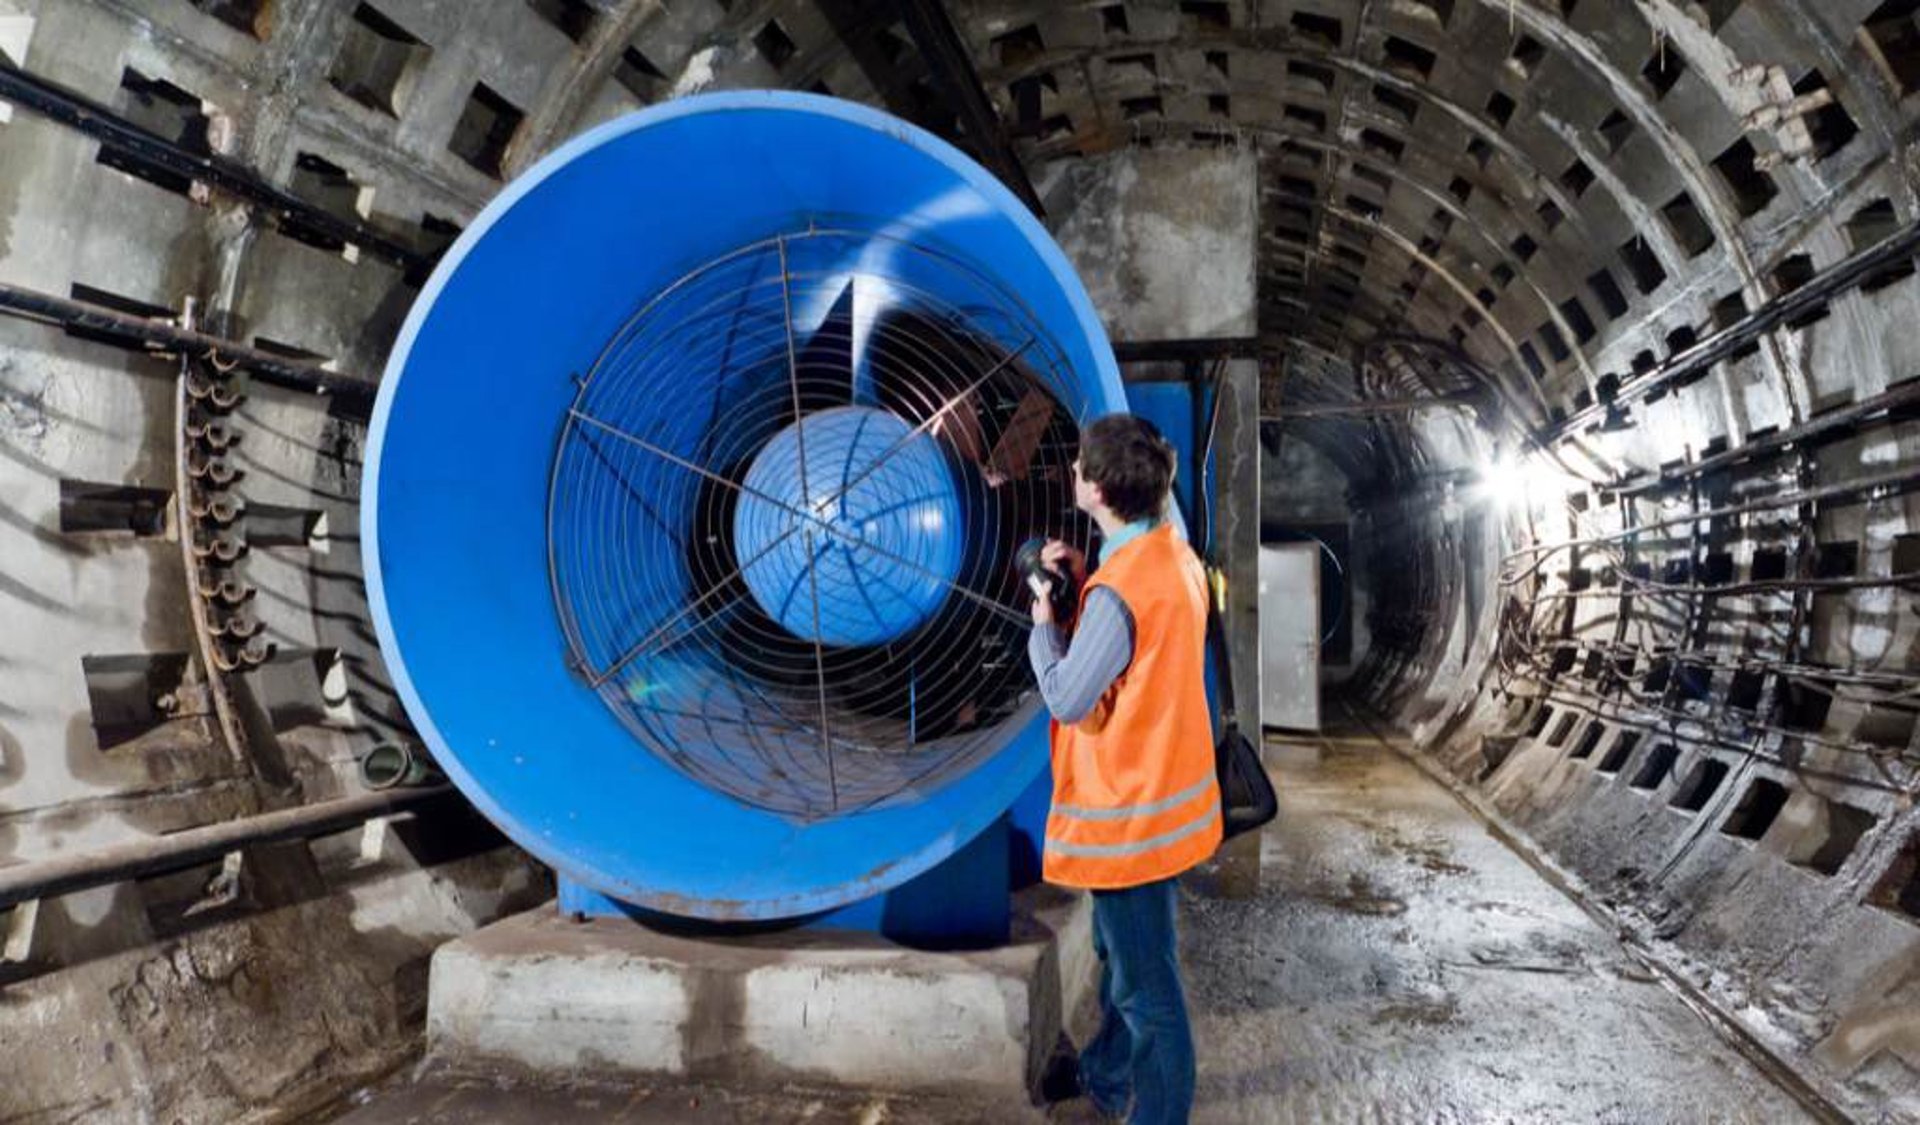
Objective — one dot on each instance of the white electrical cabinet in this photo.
(1290, 635)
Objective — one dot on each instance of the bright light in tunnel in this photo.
(1504, 483)
(1517, 481)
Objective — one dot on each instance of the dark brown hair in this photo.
(1131, 462)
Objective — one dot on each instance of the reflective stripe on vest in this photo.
(1168, 816)
(1147, 845)
(1187, 794)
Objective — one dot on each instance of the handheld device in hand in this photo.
(1066, 593)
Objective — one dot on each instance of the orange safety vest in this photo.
(1135, 798)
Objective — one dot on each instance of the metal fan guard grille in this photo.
(651, 473)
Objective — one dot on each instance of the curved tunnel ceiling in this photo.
(1553, 187)
(1564, 191)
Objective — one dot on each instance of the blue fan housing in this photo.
(486, 383)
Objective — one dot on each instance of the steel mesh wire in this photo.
(865, 645)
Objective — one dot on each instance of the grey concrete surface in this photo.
(437, 1099)
(1235, 539)
(560, 1000)
(1164, 241)
(313, 976)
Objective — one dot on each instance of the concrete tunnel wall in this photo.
(1522, 203)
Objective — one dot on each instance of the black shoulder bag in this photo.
(1247, 800)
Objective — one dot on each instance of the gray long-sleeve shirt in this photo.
(1074, 677)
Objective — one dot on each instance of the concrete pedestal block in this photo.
(538, 992)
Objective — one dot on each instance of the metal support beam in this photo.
(1233, 545)
(1835, 280)
(114, 132)
(862, 26)
(958, 81)
(354, 394)
(157, 854)
(1185, 351)
(1368, 407)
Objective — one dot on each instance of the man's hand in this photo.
(1042, 600)
(1064, 558)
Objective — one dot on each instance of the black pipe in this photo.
(1903, 397)
(1369, 406)
(1835, 280)
(354, 394)
(951, 67)
(155, 855)
(1182, 351)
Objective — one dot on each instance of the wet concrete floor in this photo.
(1398, 963)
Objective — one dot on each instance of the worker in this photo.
(1135, 799)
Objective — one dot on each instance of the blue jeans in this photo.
(1144, 1049)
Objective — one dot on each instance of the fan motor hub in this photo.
(854, 510)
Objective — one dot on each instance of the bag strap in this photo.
(1216, 628)
(1217, 641)
(1217, 645)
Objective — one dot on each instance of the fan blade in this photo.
(1013, 453)
(825, 358)
(872, 299)
(899, 375)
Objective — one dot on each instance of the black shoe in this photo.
(1060, 1082)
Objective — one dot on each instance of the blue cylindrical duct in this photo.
(690, 495)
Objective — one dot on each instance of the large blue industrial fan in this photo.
(692, 492)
